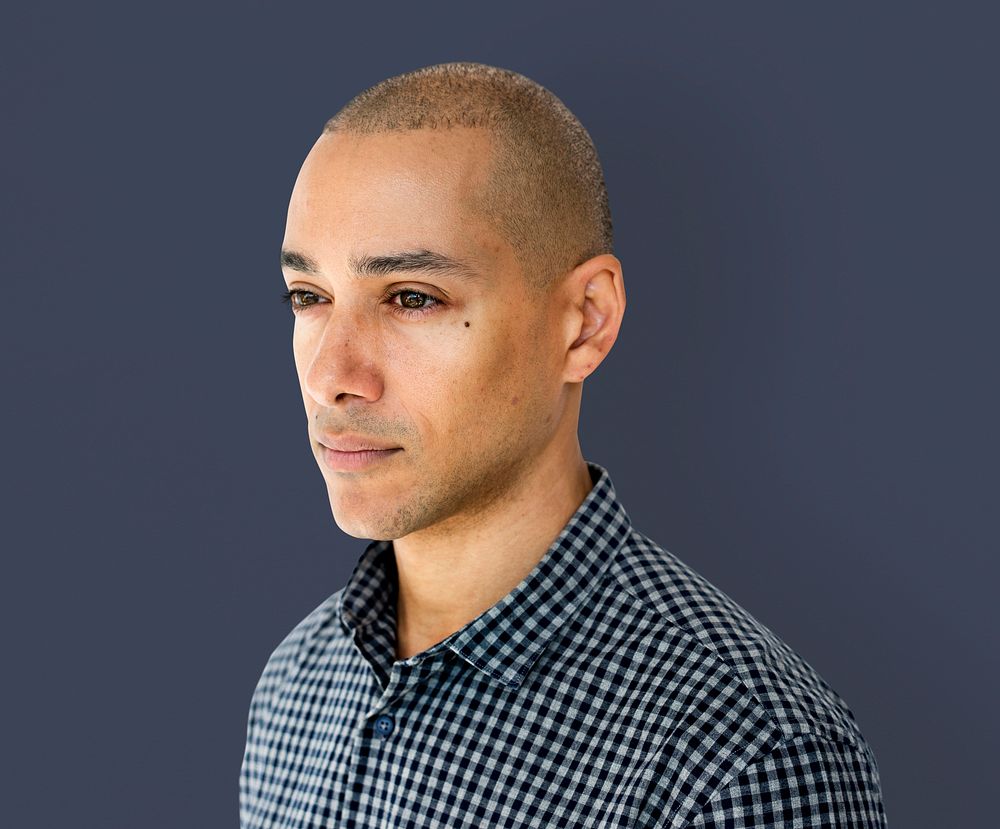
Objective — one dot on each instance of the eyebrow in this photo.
(362, 266)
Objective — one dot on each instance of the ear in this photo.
(597, 305)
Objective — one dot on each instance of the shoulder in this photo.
(806, 780)
(742, 650)
(294, 648)
(768, 724)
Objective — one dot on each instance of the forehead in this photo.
(416, 189)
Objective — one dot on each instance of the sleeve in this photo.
(259, 755)
(250, 773)
(804, 782)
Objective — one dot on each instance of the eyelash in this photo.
(398, 310)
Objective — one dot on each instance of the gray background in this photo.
(801, 404)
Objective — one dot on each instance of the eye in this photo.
(295, 298)
(409, 310)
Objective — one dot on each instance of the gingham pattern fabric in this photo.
(613, 687)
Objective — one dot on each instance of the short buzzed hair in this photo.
(546, 193)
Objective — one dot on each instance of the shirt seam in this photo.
(788, 731)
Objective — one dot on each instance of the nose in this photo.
(337, 359)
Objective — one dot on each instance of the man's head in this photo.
(475, 187)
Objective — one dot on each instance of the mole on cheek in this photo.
(466, 323)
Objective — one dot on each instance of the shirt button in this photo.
(383, 725)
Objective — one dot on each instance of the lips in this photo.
(356, 461)
(353, 443)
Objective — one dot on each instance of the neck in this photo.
(447, 580)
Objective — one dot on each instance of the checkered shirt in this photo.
(613, 687)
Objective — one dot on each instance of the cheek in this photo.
(461, 369)
(299, 352)
(433, 373)
(500, 371)
(510, 377)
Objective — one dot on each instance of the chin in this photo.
(352, 525)
(357, 532)
(368, 518)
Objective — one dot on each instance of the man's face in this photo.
(465, 383)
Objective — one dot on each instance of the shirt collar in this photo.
(507, 638)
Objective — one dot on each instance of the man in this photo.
(509, 650)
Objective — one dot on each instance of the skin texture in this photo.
(482, 391)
